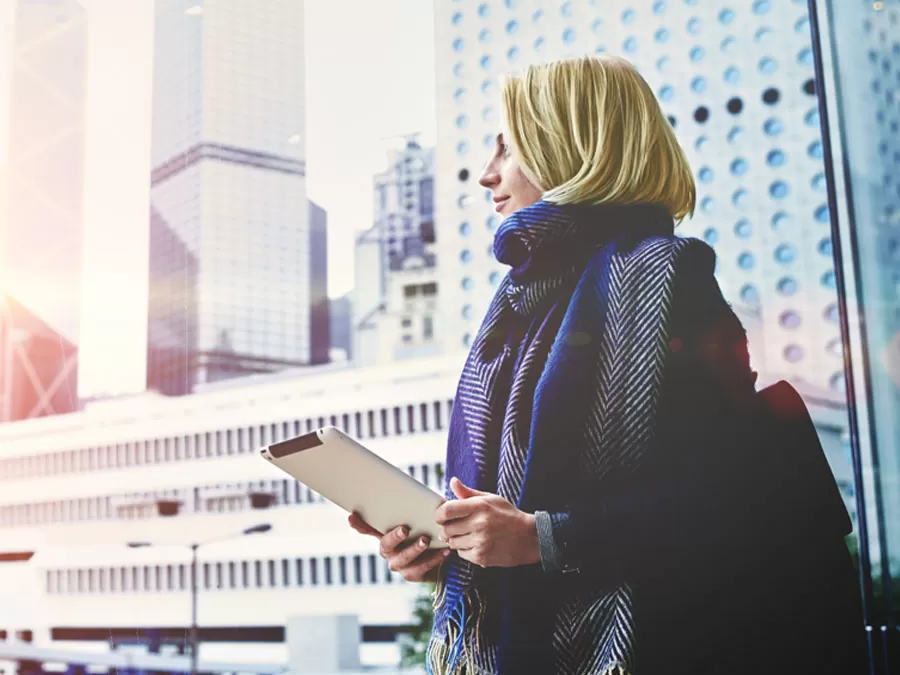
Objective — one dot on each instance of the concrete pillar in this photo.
(322, 644)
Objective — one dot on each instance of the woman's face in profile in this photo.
(504, 178)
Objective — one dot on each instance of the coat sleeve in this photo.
(683, 496)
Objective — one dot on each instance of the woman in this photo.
(600, 422)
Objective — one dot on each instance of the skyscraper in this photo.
(42, 184)
(735, 80)
(395, 300)
(228, 193)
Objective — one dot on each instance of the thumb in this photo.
(462, 490)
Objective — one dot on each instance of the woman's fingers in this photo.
(463, 542)
(456, 528)
(361, 526)
(402, 558)
(426, 562)
(391, 542)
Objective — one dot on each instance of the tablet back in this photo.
(347, 473)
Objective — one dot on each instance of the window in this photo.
(426, 196)
(427, 327)
(272, 576)
(245, 574)
(373, 569)
(258, 576)
(285, 573)
(313, 571)
(342, 570)
(426, 232)
(357, 569)
(299, 571)
(328, 572)
(232, 575)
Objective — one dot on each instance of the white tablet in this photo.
(347, 473)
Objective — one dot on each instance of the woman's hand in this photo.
(487, 530)
(411, 560)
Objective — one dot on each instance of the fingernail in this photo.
(404, 533)
(446, 553)
(422, 542)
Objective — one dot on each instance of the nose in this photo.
(489, 178)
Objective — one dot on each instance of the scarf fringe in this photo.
(464, 634)
(437, 662)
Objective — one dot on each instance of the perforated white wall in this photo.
(735, 79)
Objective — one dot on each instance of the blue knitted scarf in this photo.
(607, 269)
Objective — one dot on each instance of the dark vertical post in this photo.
(194, 635)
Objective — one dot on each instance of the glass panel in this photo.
(859, 63)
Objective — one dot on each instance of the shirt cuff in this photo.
(551, 556)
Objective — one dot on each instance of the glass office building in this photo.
(230, 286)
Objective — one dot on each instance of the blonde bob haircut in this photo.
(589, 130)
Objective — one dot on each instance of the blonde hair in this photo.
(589, 130)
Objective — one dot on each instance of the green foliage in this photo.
(415, 644)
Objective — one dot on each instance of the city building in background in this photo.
(38, 366)
(78, 489)
(41, 200)
(395, 301)
(319, 308)
(340, 319)
(736, 82)
(228, 194)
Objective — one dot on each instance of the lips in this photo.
(499, 203)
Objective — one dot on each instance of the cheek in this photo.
(524, 190)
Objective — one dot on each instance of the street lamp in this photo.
(194, 638)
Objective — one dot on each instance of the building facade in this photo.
(735, 80)
(340, 310)
(228, 182)
(395, 300)
(38, 366)
(319, 307)
(42, 182)
(77, 489)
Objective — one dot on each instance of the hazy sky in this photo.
(370, 75)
